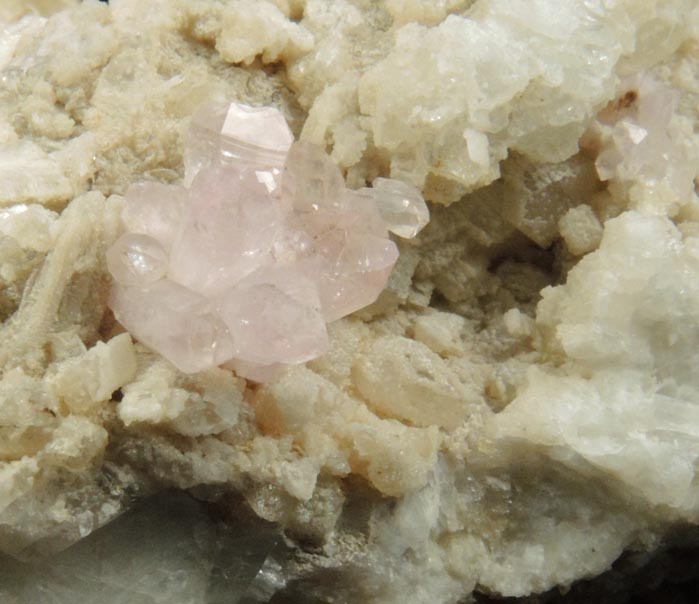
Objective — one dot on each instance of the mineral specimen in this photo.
(515, 412)
(263, 248)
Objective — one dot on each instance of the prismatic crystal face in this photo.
(264, 245)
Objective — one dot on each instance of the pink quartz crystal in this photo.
(640, 141)
(245, 265)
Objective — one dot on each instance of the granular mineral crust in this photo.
(515, 410)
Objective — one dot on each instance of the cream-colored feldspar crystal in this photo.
(264, 247)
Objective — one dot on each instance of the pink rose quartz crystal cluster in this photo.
(245, 264)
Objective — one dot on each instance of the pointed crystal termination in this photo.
(235, 134)
(245, 264)
(402, 207)
(137, 260)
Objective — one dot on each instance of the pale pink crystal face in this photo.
(175, 321)
(155, 209)
(228, 232)
(137, 260)
(245, 264)
(639, 140)
(235, 135)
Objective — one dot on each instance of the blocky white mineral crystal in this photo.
(264, 247)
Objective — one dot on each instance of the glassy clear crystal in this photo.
(137, 260)
(315, 181)
(402, 207)
(236, 134)
(155, 209)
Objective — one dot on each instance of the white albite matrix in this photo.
(630, 341)
(263, 248)
(517, 407)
